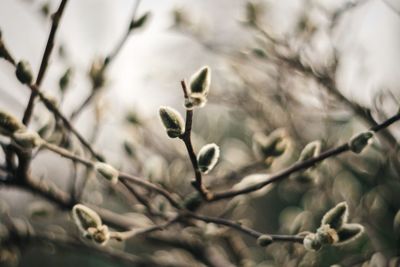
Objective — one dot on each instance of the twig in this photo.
(186, 138)
(45, 60)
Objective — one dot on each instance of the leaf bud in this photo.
(208, 157)
(358, 142)
(107, 171)
(24, 72)
(337, 216)
(264, 240)
(172, 121)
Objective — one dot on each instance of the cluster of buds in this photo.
(272, 146)
(90, 225)
(334, 229)
(199, 87)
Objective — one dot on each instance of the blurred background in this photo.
(333, 72)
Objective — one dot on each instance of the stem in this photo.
(45, 60)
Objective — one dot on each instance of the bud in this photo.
(349, 232)
(273, 145)
(199, 88)
(208, 157)
(251, 13)
(173, 121)
(107, 171)
(85, 218)
(337, 216)
(9, 124)
(358, 142)
(24, 72)
(139, 22)
(311, 242)
(311, 150)
(100, 234)
(4, 53)
(27, 139)
(264, 240)
(327, 235)
(65, 79)
(96, 73)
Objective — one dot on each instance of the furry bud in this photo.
(24, 72)
(27, 139)
(200, 81)
(360, 141)
(337, 216)
(85, 218)
(208, 157)
(264, 240)
(107, 171)
(173, 121)
(9, 124)
(311, 242)
(311, 150)
(327, 235)
(139, 22)
(349, 232)
(100, 234)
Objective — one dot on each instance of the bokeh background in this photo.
(251, 93)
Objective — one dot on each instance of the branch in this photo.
(45, 60)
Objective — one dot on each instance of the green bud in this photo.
(24, 72)
(360, 141)
(96, 73)
(337, 216)
(85, 218)
(9, 124)
(65, 80)
(27, 139)
(107, 171)
(264, 240)
(139, 22)
(327, 235)
(349, 232)
(200, 81)
(173, 121)
(311, 242)
(208, 157)
(311, 150)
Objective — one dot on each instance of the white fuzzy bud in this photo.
(27, 139)
(208, 157)
(172, 121)
(360, 141)
(337, 216)
(107, 171)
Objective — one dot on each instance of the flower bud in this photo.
(96, 73)
(24, 72)
(65, 80)
(349, 232)
(273, 145)
(200, 81)
(311, 242)
(9, 124)
(107, 171)
(100, 234)
(85, 218)
(358, 142)
(208, 157)
(173, 121)
(251, 13)
(311, 150)
(337, 216)
(264, 240)
(4, 53)
(327, 235)
(139, 22)
(192, 201)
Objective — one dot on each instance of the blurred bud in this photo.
(65, 80)
(180, 18)
(358, 142)
(40, 209)
(107, 171)
(396, 222)
(311, 150)
(378, 260)
(199, 87)
(24, 72)
(273, 145)
(192, 201)
(173, 121)
(311, 242)
(141, 21)
(4, 233)
(208, 157)
(85, 218)
(337, 216)
(326, 235)
(27, 139)
(99, 234)
(349, 232)
(264, 240)
(96, 73)
(45, 9)
(251, 13)
(9, 124)
(4, 51)
(133, 118)
(129, 148)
